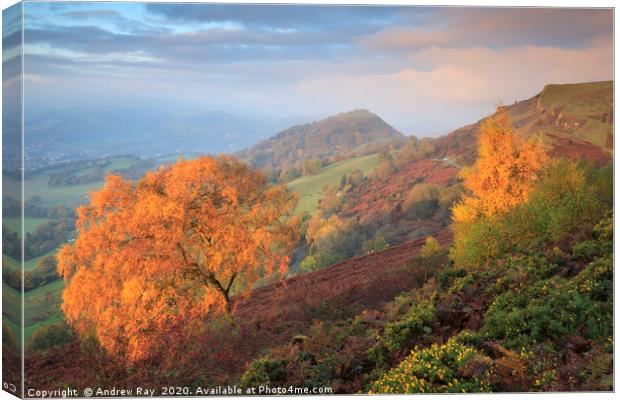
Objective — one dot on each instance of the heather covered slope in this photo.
(270, 316)
(409, 193)
(374, 303)
(521, 301)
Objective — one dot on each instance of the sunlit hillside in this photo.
(311, 187)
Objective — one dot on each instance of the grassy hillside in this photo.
(30, 224)
(573, 120)
(41, 306)
(310, 188)
(68, 195)
(274, 313)
(358, 132)
(521, 301)
(581, 110)
(29, 265)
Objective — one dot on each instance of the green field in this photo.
(11, 303)
(70, 196)
(41, 306)
(30, 224)
(310, 188)
(29, 265)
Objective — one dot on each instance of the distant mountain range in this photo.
(143, 130)
(353, 133)
(573, 119)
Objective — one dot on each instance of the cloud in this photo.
(11, 44)
(11, 76)
(11, 20)
(92, 14)
(112, 18)
(433, 100)
(495, 27)
(521, 65)
(287, 16)
(185, 50)
(426, 70)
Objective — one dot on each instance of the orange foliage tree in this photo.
(154, 257)
(503, 174)
(499, 181)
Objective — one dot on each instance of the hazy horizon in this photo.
(425, 70)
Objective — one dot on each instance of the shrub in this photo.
(451, 367)
(604, 230)
(311, 167)
(402, 333)
(431, 248)
(51, 336)
(263, 372)
(568, 198)
(530, 267)
(417, 325)
(448, 275)
(9, 338)
(478, 244)
(596, 280)
(376, 244)
(430, 263)
(308, 264)
(555, 308)
(422, 200)
(423, 209)
(587, 250)
(329, 257)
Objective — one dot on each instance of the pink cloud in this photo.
(456, 27)
(458, 84)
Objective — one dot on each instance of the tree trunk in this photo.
(226, 293)
(229, 314)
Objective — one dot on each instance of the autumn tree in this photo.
(311, 167)
(504, 172)
(425, 148)
(431, 247)
(322, 230)
(152, 258)
(288, 174)
(421, 201)
(408, 152)
(386, 165)
(376, 244)
(499, 181)
(333, 239)
(432, 257)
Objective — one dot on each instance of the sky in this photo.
(426, 71)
